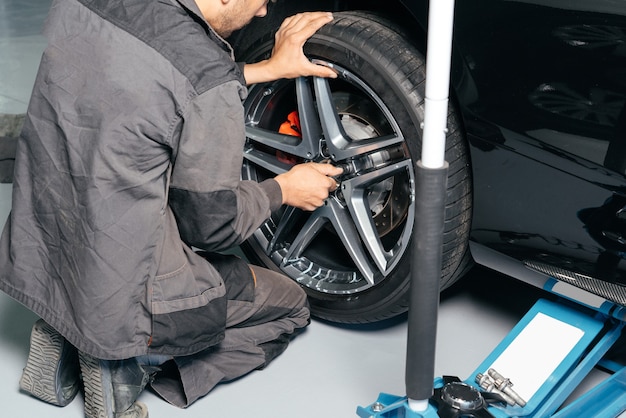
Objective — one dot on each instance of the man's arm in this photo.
(214, 208)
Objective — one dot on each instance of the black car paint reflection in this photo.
(552, 99)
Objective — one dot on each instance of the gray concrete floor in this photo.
(327, 371)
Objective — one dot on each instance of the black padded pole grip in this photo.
(430, 193)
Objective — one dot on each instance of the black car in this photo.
(536, 147)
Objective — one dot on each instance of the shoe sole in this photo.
(42, 375)
(95, 392)
(139, 409)
(98, 390)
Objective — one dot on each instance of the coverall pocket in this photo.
(180, 290)
(188, 308)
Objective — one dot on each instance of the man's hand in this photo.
(306, 186)
(288, 59)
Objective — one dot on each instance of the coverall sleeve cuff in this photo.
(240, 64)
(274, 193)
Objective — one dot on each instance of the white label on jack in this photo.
(536, 352)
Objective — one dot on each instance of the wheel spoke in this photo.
(355, 191)
(266, 161)
(287, 143)
(338, 217)
(340, 145)
(309, 119)
(284, 227)
(331, 123)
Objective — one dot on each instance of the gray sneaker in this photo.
(52, 373)
(112, 387)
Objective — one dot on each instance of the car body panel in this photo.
(542, 99)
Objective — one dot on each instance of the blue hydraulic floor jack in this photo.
(533, 371)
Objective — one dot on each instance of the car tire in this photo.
(353, 269)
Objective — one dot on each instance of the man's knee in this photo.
(278, 288)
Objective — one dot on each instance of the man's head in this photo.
(227, 16)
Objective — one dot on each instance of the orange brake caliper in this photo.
(289, 127)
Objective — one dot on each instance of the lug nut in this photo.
(347, 168)
(504, 385)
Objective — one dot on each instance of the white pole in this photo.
(438, 59)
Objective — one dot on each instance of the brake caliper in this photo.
(289, 127)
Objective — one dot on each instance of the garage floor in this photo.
(328, 371)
